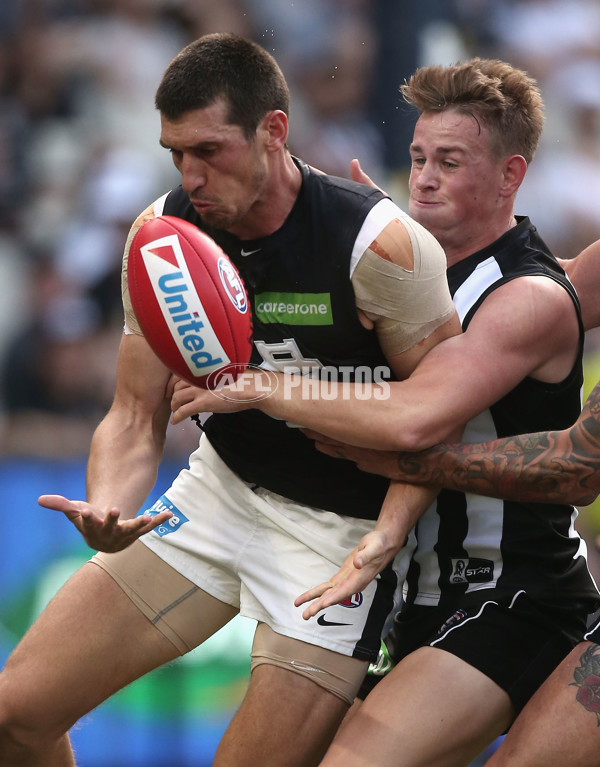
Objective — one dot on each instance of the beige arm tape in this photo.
(406, 298)
(153, 210)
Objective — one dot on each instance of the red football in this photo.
(190, 301)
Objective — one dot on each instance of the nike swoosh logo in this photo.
(323, 622)
(249, 252)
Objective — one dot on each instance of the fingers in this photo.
(341, 450)
(73, 510)
(316, 435)
(188, 400)
(131, 529)
(312, 434)
(104, 531)
(335, 451)
(91, 521)
(316, 607)
(324, 595)
(369, 551)
(359, 569)
(180, 383)
(182, 396)
(111, 534)
(356, 172)
(313, 593)
(370, 555)
(146, 523)
(327, 596)
(173, 381)
(57, 502)
(183, 412)
(327, 445)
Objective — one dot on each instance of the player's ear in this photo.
(514, 169)
(274, 128)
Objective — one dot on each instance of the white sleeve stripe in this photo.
(159, 205)
(377, 219)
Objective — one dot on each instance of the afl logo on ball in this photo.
(233, 285)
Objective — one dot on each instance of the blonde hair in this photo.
(496, 94)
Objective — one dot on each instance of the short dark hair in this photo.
(228, 66)
(501, 97)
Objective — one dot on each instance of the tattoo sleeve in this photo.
(554, 467)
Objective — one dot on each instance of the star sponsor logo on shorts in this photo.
(472, 570)
(171, 525)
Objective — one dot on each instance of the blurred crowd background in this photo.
(79, 153)
(79, 159)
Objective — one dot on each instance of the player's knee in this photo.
(21, 736)
(24, 729)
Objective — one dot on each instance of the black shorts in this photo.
(511, 639)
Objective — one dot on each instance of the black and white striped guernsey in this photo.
(468, 542)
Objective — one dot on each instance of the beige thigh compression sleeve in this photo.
(341, 674)
(182, 611)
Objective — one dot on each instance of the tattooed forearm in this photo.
(555, 467)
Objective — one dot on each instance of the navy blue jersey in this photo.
(304, 312)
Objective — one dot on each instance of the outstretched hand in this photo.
(103, 532)
(364, 563)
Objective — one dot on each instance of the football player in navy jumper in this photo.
(342, 283)
(497, 592)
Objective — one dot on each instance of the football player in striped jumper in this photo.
(560, 722)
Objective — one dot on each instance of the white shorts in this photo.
(257, 551)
